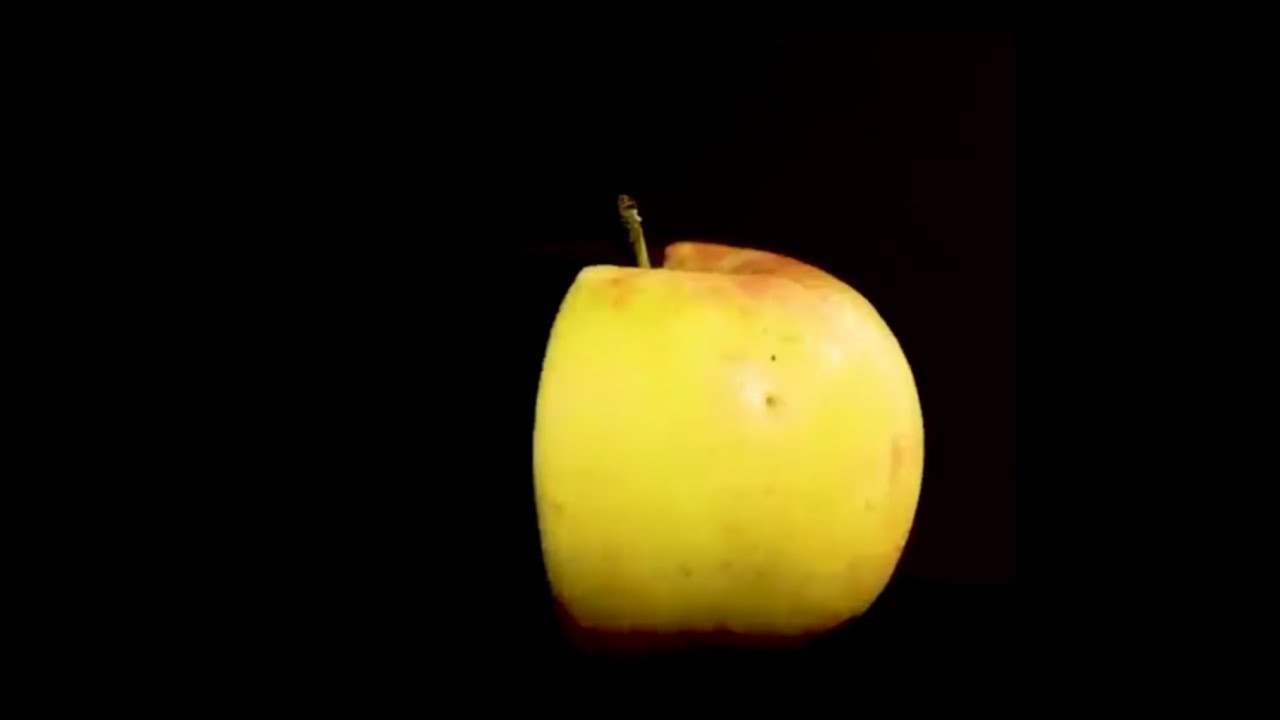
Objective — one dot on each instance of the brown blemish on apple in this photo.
(771, 401)
(685, 570)
(748, 274)
(620, 290)
(760, 263)
(687, 255)
(756, 285)
(714, 257)
(557, 507)
(897, 456)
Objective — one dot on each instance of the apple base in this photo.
(640, 643)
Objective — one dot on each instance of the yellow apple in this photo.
(730, 445)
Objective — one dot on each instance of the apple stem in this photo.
(630, 213)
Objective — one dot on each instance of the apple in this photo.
(728, 446)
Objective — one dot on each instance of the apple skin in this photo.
(726, 448)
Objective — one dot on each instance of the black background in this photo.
(427, 215)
